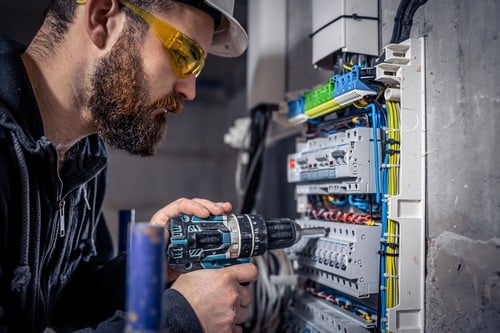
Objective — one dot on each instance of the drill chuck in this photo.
(224, 240)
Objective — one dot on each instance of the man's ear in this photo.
(103, 21)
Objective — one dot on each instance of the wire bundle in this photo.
(272, 292)
(344, 303)
(404, 19)
(393, 189)
(390, 228)
(260, 118)
(339, 216)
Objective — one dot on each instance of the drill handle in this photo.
(197, 243)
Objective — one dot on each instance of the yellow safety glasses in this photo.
(186, 56)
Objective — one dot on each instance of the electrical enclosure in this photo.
(337, 27)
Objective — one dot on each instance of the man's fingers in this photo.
(196, 206)
(244, 273)
(173, 274)
(182, 205)
(215, 208)
(242, 314)
(246, 296)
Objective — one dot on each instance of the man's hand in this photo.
(196, 206)
(218, 297)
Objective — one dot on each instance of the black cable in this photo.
(260, 117)
(404, 19)
(396, 30)
(353, 16)
(408, 19)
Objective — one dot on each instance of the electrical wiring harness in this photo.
(324, 201)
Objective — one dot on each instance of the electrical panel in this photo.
(359, 169)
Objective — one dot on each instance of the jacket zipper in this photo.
(85, 198)
(62, 228)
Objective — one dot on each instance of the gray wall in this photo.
(463, 98)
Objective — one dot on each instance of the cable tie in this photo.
(391, 276)
(391, 235)
(387, 166)
(387, 254)
(390, 244)
(393, 151)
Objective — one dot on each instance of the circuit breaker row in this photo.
(347, 259)
(339, 163)
(309, 314)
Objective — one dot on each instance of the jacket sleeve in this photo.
(96, 290)
(95, 298)
(178, 317)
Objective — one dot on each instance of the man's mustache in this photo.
(173, 103)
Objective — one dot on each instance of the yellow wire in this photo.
(393, 189)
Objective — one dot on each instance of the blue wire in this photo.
(339, 203)
(355, 304)
(375, 148)
(383, 293)
(357, 202)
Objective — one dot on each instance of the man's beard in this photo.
(119, 105)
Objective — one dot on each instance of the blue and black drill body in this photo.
(225, 240)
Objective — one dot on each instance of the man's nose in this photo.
(186, 87)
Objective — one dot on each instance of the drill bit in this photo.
(314, 232)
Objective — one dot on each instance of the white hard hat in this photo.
(230, 39)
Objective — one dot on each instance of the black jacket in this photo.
(57, 266)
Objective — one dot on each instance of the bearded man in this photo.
(101, 72)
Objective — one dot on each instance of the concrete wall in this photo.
(463, 97)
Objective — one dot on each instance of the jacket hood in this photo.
(16, 92)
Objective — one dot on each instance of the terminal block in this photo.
(341, 91)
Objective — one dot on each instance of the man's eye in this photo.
(195, 53)
(180, 58)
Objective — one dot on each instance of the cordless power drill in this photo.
(224, 240)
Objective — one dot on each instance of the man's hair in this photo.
(60, 14)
